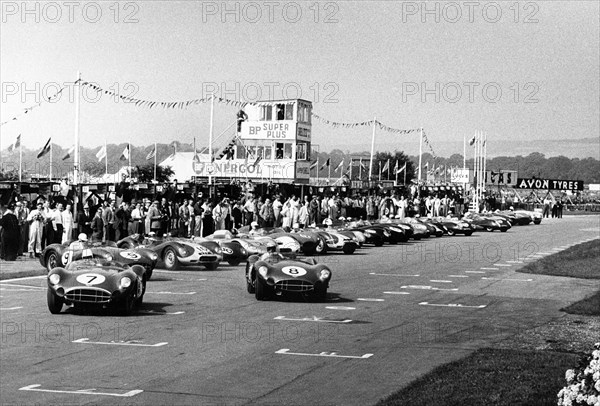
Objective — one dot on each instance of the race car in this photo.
(452, 226)
(536, 216)
(288, 245)
(234, 250)
(176, 252)
(59, 255)
(515, 218)
(486, 222)
(96, 282)
(273, 274)
(334, 241)
(308, 241)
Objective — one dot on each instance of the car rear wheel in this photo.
(249, 285)
(490, 229)
(55, 303)
(212, 266)
(504, 230)
(52, 261)
(349, 249)
(261, 290)
(321, 247)
(451, 232)
(468, 233)
(379, 242)
(234, 262)
(170, 259)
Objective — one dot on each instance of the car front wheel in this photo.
(52, 261)
(170, 259)
(349, 249)
(55, 303)
(261, 291)
(212, 266)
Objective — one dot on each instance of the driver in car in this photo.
(272, 255)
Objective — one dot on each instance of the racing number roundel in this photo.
(293, 271)
(227, 251)
(90, 279)
(130, 255)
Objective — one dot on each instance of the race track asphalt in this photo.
(393, 313)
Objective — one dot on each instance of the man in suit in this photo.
(108, 219)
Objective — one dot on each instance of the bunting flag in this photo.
(341, 164)
(386, 166)
(196, 157)
(402, 169)
(369, 123)
(396, 167)
(101, 154)
(16, 144)
(125, 154)
(68, 153)
(472, 141)
(28, 109)
(426, 165)
(151, 154)
(313, 165)
(325, 164)
(363, 166)
(258, 159)
(46, 148)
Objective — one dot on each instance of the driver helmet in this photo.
(254, 224)
(272, 247)
(328, 222)
(82, 237)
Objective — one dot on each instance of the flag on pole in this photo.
(472, 141)
(16, 144)
(46, 149)
(258, 159)
(101, 154)
(402, 169)
(396, 167)
(69, 152)
(125, 153)
(151, 154)
(426, 165)
(341, 164)
(325, 164)
(174, 150)
(363, 166)
(313, 165)
(386, 166)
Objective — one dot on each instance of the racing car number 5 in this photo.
(293, 271)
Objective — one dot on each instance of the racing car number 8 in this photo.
(293, 271)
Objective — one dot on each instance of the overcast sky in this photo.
(354, 60)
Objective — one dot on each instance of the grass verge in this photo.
(579, 261)
(490, 377)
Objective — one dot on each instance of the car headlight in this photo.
(218, 250)
(263, 270)
(243, 251)
(325, 274)
(153, 257)
(54, 278)
(109, 257)
(125, 282)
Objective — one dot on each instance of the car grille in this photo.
(285, 250)
(207, 258)
(88, 295)
(294, 285)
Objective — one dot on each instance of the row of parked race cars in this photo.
(83, 274)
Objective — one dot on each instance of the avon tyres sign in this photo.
(549, 184)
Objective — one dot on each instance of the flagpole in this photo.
(318, 167)
(476, 197)
(372, 148)
(420, 162)
(464, 152)
(105, 159)
(210, 136)
(405, 173)
(129, 158)
(20, 160)
(350, 169)
(50, 176)
(379, 171)
(329, 173)
(77, 111)
(484, 159)
(360, 169)
(156, 153)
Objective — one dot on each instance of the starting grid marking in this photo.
(82, 391)
(173, 293)
(286, 351)
(514, 262)
(340, 307)
(366, 299)
(425, 287)
(439, 281)
(11, 308)
(508, 279)
(474, 272)
(397, 293)
(157, 312)
(458, 276)
(130, 343)
(452, 305)
(2, 283)
(490, 269)
(391, 274)
(502, 264)
(314, 318)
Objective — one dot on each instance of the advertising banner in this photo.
(549, 184)
(269, 130)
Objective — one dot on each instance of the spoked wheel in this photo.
(52, 261)
(450, 232)
(170, 259)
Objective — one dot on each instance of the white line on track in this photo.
(11, 308)
(286, 351)
(458, 276)
(452, 305)
(366, 299)
(82, 391)
(130, 343)
(426, 287)
(490, 269)
(161, 271)
(314, 318)
(439, 281)
(172, 293)
(514, 262)
(502, 265)
(397, 293)
(340, 307)
(390, 274)
(23, 278)
(157, 312)
(21, 286)
(18, 289)
(508, 279)
(474, 272)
